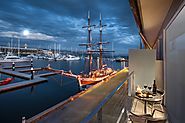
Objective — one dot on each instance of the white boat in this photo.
(12, 58)
(32, 56)
(120, 60)
(71, 58)
(61, 57)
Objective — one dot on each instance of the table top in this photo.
(151, 98)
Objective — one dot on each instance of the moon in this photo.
(26, 32)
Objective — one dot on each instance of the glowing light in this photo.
(26, 32)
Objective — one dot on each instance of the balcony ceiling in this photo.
(151, 14)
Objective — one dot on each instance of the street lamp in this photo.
(18, 47)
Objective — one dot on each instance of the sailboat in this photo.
(103, 72)
(10, 57)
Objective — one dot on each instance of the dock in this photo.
(23, 66)
(46, 74)
(29, 70)
(29, 79)
(23, 84)
(62, 72)
(74, 110)
(15, 74)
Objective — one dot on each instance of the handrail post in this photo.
(99, 116)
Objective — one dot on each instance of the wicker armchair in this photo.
(146, 118)
(158, 103)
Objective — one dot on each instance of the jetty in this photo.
(23, 66)
(79, 107)
(62, 72)
(29, 70)
(15, 74)
(18, 85)
(29, 79)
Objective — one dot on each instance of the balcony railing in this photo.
(112, 107)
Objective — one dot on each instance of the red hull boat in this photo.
(6, 81)
(96, 76)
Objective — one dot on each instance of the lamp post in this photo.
(18, 47)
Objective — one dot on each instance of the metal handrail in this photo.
(105, 100)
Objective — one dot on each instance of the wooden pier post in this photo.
(23, 119)
(13, 66)
(32, 69)
(31, 63)
(32, 73)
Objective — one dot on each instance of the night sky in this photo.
(60, 22)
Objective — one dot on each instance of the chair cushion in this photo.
(136, 119)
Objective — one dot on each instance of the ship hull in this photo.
(92, 81)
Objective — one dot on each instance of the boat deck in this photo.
(79, 108)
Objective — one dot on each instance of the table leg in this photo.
(145, 108)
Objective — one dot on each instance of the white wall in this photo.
(159, 74)
(142, 62)
(175, 68)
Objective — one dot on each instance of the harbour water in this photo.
(30, 101)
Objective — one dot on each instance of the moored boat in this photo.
(103, 72)
(6, 81)
(12, 58)
(71, 58)
(95, 76)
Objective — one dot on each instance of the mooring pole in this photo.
(31, 62)
(32, 73)
(23, 120)
(32, 69)
(13, 66)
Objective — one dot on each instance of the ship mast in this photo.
(100, 44)
(89, 43)
(89, 47)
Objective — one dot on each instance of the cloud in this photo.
(62, 21)
(32, 36)
(129, 39)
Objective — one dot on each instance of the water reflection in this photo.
(32, 100)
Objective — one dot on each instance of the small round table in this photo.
(153, 99)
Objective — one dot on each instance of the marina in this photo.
(92, 61)
(65, 87)
(72, 108)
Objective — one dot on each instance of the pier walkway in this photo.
(29, 80)
(74, 110)
(15, 74)
(23, 66)
(17, 85)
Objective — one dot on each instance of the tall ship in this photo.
(103, 71)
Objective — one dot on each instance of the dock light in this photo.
(31, 72)
(32, 63)
(13, 66)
